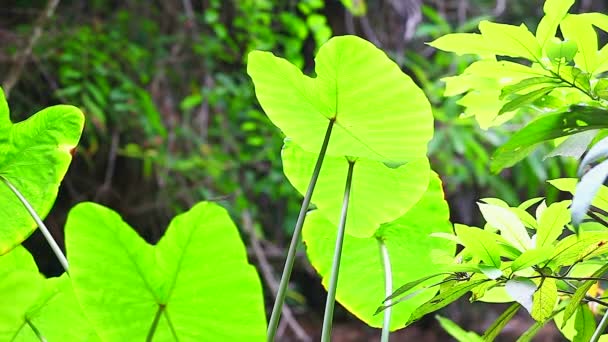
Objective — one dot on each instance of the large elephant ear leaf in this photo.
(378, 194)
(34, 157)
(411, 250)
(194, 285)
(378, 112)
(35, 308)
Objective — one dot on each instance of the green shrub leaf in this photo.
(549, 126)
(545, 299)
(379, 111)
(34, 157)
(196, 279)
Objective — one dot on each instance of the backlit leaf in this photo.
(409, 244)
(555, 11)
(379, 193)
(196, 278)
(509, 225)
(34, 157)
(549, 126)
(379, 112)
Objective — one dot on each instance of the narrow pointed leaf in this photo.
(552, 222)
(519, 100)
(463, 43)
(480, 243)
(34, 157)
(492, 332)
(379, 193)
(584, 324)
(509, 225)
(445, 298)
(578, 29)
(580, 293)
(412, 252)
(197, 277)
(532, 257)
(549, 126)
(457, 332)
(379, 111)
(412, 284)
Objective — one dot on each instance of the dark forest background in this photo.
(172, 118)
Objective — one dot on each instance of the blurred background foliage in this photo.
(172, 118)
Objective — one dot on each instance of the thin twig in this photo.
(22, 57)
(269, 278)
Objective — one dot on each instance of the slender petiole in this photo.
(45, 231)
(388, 290)
(291, 253)
(600, 328)
(335, 266)
(152, 330)
(35, 330)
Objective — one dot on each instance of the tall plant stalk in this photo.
(45, 231)
(600, 328)
(291, 253)
(335, 266)
(388, 290)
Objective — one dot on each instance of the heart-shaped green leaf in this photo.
(378, 194)
(379, 113)
(33, 305)
(195, 284)
(34, 157)
(412, 252)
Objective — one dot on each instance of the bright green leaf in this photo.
(463, 43)
(569, 185)
(584, 324)
(532, 257)
(196, 278)
(356, 7)
(580, 293)
(492, 332)
(509, 225)
(549, 126)
(545, 299)
(34, 157)
(519, 100)
(379, 111)
(578, 29)
(552, 222)
(48, 305)
(555, 11)
(444, 298)
(457, 332)
(409, 245)
(379, 193)
(509, 40)
(480, 243)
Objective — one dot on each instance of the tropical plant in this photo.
(373, 140)
(115, 286)
(518, 257)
